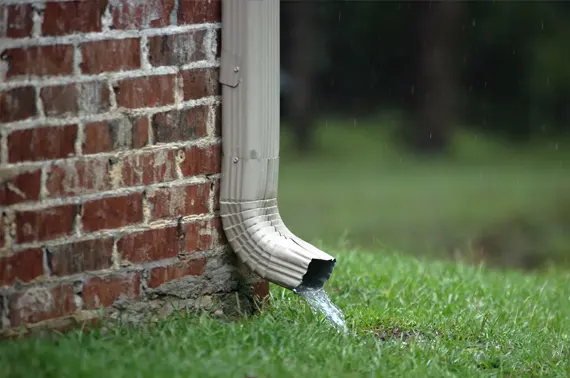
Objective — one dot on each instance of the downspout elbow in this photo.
(249, 75)
(262, 241)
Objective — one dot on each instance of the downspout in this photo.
(249, 75)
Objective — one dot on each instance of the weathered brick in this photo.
(83, 256)
(23, 266)
(217, 232)
(150, 245)
(177, 49)
(199, 11)
(216, 189)
(180, 125)
(51, 60)
(108, 135)
(148, 168)
(104, 291)
(73, 17)
(144, 92)
(176, 201)
(112, 212)
(17, 104)
(45, 224)
(17, 186)
(201, 82)
(172, 272)
(18, 21)
(116, 134)
(110, 55)
(77, 177)
(141, 14)
(35, 304)
(201, 161)
(93, 97)
(202, 236)
(59, 99)
(43, 143)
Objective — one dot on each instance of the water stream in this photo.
(319, 300)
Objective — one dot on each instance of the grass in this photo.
(410, 318)
(361, 185)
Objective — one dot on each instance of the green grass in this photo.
(457, 320)
(361, 185)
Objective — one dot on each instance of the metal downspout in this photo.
(249, 75)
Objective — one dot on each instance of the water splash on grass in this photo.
(319, 300)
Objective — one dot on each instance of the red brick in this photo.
(218, 120)
(163, 274)
(203, 235)
(141, 127)
(150, 245)
(216, 189)
(261, 290)
(52, 60)
(201, 161)
(110, 55)
(201, 82)
(180, 125)
(23, 266)
(144, 92)
(76, 177)
(19, 21)
(104, 291)
(2, 231)
(148, 168)
(141, 14)
(217, 232)
(176, 201)
(19, 186)
(73, 17)
(43, 143)
(93, 97)
(40, 303)
(59, 99)
(17, 104)
(116, 134)
(112, 212)
(45, 224)
(83, 256)
(177, 49)
(199, 11)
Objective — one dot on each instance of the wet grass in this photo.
(509, 203)
(411, 318)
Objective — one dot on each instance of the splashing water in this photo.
(319, 300)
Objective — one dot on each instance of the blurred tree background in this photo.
(469, 102)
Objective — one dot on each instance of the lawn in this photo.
(408, 318)
(361, 187)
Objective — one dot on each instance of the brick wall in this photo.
(110, 161)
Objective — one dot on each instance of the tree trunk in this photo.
(301, 59)
(436, 90)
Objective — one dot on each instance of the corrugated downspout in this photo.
(250, 150)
